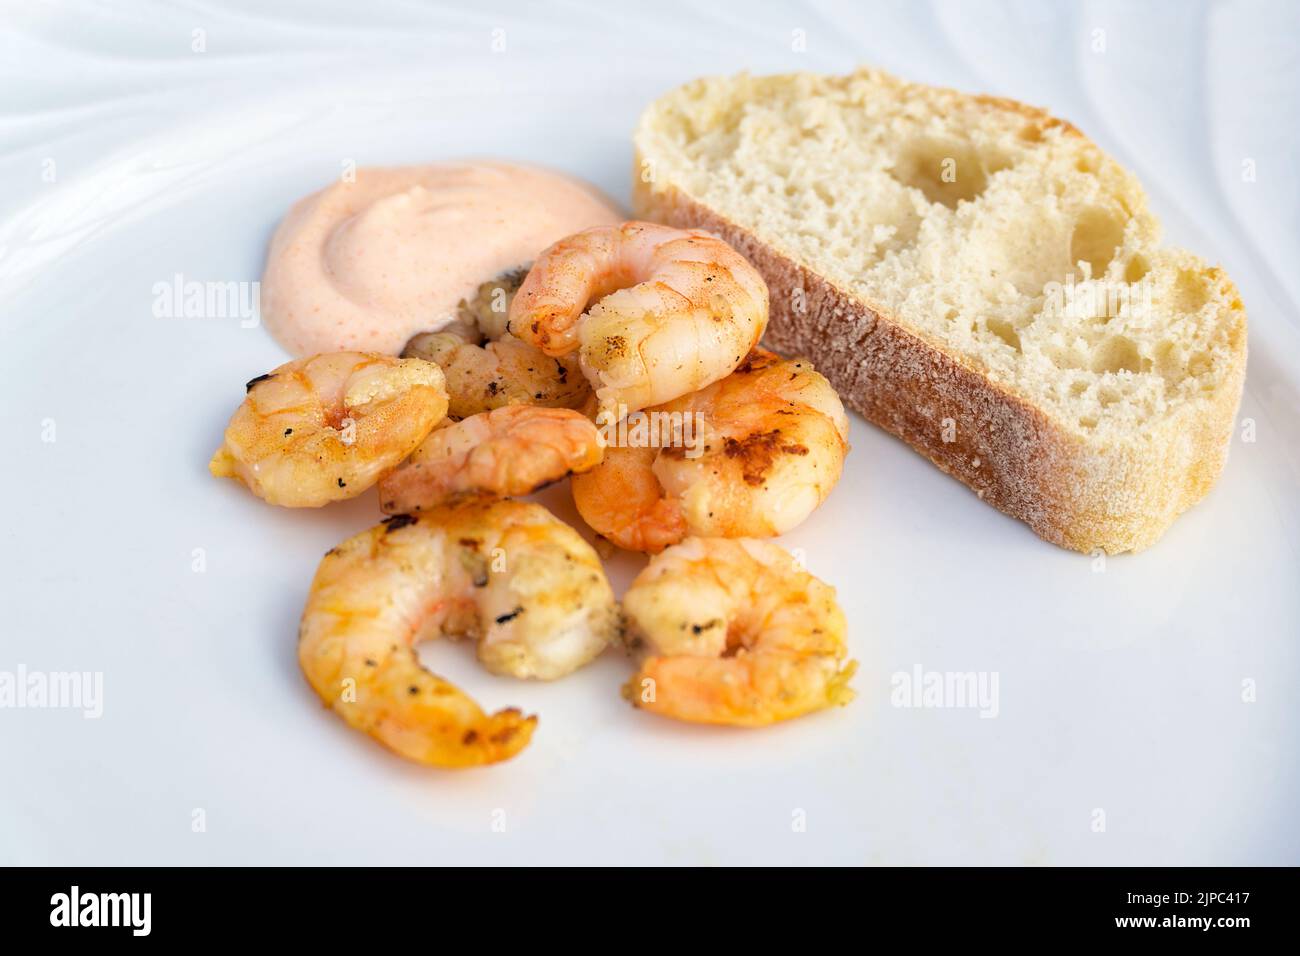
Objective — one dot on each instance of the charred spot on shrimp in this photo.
(395, 522)
(758, 452)
(248, 386)
(474, 562)
(505, 618)
(757, 361)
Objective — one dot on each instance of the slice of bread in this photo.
(974, 276)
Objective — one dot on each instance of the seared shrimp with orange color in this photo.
(325, 428)
(509, 451)
(766, 446)
(652, 311)
(734, 631)
(524, 585)
(487, 368)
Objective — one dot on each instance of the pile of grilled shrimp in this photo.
(609, 326)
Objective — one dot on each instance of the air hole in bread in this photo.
(1199, 364)
(1117, 354)
(1005, 331)
(1190, 292)
(1097, 234)
(1168, 361)
(947, 171)
(1137, 268)
(1063, 358)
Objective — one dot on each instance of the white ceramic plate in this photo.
(1145, 710)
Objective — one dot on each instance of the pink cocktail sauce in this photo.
(365, 265)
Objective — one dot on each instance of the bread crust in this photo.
(1072, 489)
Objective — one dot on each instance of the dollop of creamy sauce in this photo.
(365, 265)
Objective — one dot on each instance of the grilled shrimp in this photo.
(733, 631)
(507, 573)
(652, 311)
(769, 446)
(509, 451)
(488, 368)
(325, 428)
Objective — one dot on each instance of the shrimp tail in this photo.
(500, 736)
(426, 718)
(747, 690)
(838, 691)
(222, 464)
